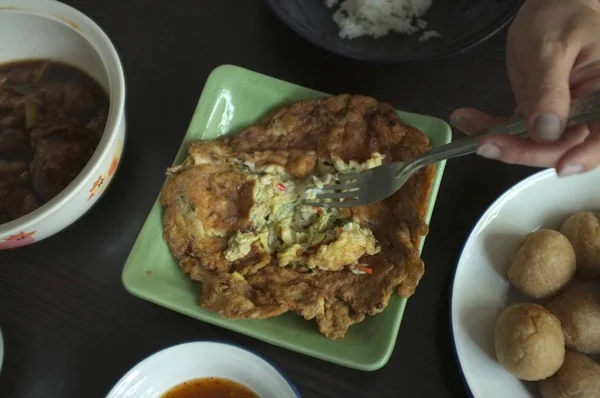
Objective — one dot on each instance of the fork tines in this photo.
(348, 187)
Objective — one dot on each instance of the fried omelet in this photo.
(295, 234)
(235, 218)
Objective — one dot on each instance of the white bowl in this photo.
(1, 350)
(52, 30)
(164, 370)
(481, 290)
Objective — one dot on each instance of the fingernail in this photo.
(548, 127)
(459, 122)
(489, 150)
(571, 169)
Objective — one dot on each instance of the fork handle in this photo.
(583, 110)
(468, 145)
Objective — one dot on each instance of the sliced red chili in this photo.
(366, 270)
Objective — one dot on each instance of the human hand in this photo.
(553, 57)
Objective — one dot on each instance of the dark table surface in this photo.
(71, 329)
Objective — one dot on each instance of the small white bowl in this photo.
(49, 29)
(170, 367)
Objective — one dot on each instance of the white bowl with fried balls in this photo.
(578, 309)
(481, 288)
(529, 341)
(544, 263)
(579, 377)
(583, 231)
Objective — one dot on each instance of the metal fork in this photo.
(376, 184)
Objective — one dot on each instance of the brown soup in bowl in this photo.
(52, 116)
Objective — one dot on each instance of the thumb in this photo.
(548, 95)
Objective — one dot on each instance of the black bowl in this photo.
(461, 23)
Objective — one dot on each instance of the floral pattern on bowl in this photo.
(18, 240)
(102, 181)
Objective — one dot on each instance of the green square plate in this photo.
(233, 98)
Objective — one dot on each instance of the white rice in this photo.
(377, 18)
(428, 34)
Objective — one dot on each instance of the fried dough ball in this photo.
(583, 231)
(578, 309)
(529, 341)
(579, 377)
(543, 264)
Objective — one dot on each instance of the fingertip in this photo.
(498, 147)
(581, 158)
(469, 113)
(489, 150)
(570, 169)
(473, 121)
(501, 140)
(456, 113)
(546, 127)
(461, 119)
(458, 120)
